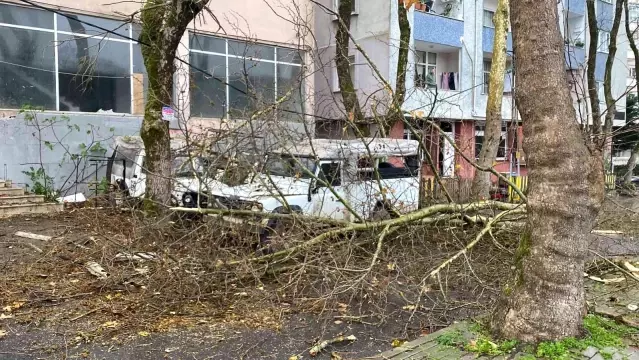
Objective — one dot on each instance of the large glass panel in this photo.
(207, 43)
(27, 69)
(289, 79)
(72, 23)
(289, 55)
(251, 50)
(18, 15)
(94, 75)
(208, 94)
(252, 86)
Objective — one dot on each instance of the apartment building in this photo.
(447, 78)
(243, 56)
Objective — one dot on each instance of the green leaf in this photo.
(49, 145)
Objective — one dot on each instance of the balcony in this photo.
(576, 7)
(488, 37)
(575, 56)
(438, 29)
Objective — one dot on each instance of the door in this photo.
(446, 150)
(327, 203)
(137, 184)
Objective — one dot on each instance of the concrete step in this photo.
(20, 209)
(22, 199)
(11, 191)
(5, 183)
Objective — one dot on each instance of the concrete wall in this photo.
(22, 146)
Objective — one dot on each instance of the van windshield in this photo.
(186, 166)
(289, 166)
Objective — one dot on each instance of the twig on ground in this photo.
(322, 345)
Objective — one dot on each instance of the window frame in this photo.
(426, 66)
(227, 55)
(354, 11)
(480, 131)
(491, 24)
(101, 37)
(603, 41)
(352, 59)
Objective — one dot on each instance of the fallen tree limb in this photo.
(484, 231)
(322, 345)
(403, 220)
(231, 212)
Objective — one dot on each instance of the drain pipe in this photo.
(472, 59)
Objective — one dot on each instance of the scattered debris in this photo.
(3, 333)
(606, 281)
(630, 267)
(138, 256)
(397, 343)
(322, 345)
(109, 325)
(171, 349)
(6, 316)
(35, 248)
(632, 307)
(607, 232)
(336, 356)
(144, 333)
(142, 271)
(96, 270)
(86, 313)
(75, 198)
(31, 236)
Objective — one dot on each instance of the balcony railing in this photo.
(437, 29)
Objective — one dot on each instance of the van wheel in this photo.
(189, 200)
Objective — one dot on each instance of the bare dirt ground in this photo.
(189, 303)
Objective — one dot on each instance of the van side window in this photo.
(331, 174)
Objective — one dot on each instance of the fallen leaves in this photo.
(144, 333)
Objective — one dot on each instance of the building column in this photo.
(465, 141)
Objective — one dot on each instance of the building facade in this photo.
(241, 57)
(447, 78)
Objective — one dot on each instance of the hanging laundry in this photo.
(451, 81)
(508, 85)
(444, 81)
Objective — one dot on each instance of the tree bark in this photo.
(546, 300)
(606, 140)
(492, 131)
(632, 163)
(395, 112)
(163, 25)
(353, 110)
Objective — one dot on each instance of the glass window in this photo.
(18, 15)
(425, 69)
(94, 74)
(72, 23)
(487, 66)
(604, 41)
(488, 18)
(252, 85)
(208, 95)
(289, 55)
(207, 43)
(289, 166)
(330, 174)
(289, 78)
(353, 5)
(27, 69)
(479, 141)
(250, 50)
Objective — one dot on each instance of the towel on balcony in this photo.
(444, 81)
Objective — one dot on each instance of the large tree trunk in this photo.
(492, 130)
(632, 163)
(395, 112)
(354, 115)
(593, 93)
(546, 300)
(606, 142)
(162, 28)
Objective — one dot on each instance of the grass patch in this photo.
(600, 333)
(453, 338)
